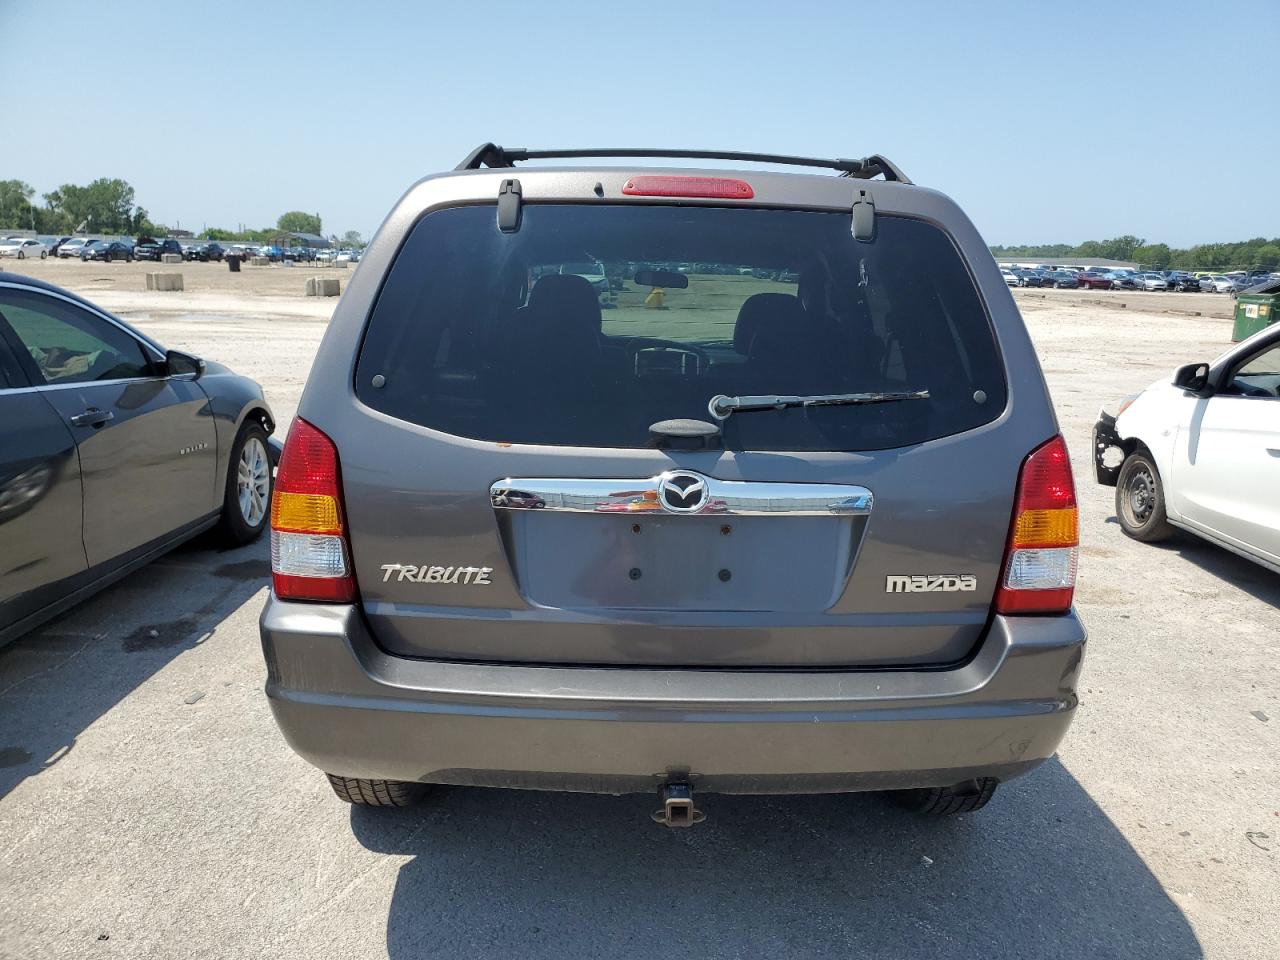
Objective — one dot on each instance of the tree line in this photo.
(1257, 254)
(107, 206)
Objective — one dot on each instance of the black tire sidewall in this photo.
(235, 528)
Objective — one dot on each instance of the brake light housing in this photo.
(310, 553)
(1043, 552)
(716, 188)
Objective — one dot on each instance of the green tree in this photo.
(295, 221)
(1155, 255)
(352, 238)
(1267, 256)
(1121, 248)
(106, 205)
(16, 208)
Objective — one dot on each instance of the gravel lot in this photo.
(149, 808)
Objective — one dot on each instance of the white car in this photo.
(23, 248)
(1010, 278)
(1217, 284)
(1201, 452)
(72, 248)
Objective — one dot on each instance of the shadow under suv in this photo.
(799, 520)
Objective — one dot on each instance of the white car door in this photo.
(1226, 465)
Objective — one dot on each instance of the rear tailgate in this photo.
(504, 499)
(443, 573)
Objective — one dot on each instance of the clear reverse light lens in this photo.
(307, 555)
(1052, 568)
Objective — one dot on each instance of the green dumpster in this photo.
(1257, 307)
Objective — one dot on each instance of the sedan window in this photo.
(68, 344)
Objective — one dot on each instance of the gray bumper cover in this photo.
(351, 709)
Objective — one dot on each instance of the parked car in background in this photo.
(23, 248)
(112, 451)
(1121, 280)
(1010, 278)
(1201, 451)
(1093, 280)
(1062, 279)
(1027, 278)
(1151, 281)
(1217, 284)
(205, 251)
(151, 249)
(72, 247)
(107, 251)
(55, 244)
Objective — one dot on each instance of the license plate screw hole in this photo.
(726, 530)
(635, 573)
(725, 576)
(635, 528)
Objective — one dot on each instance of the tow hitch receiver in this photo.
(677, 806)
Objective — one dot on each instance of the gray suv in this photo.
(793, 516)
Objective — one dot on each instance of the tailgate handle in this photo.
(681, 493)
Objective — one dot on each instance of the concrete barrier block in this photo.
(170, 258)
(164, 281)
(260, 261)
(323, 286)
(339, 264)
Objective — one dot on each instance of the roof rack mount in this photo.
(492, 155)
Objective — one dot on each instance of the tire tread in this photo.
(949, 801)
(376, 793)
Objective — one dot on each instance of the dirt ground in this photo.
(148, 806)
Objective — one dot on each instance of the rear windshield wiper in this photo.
(721, 406)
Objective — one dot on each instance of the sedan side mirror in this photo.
(181, 364)
(1193, 377)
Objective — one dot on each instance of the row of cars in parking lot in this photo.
(1179, 280)
(149, 248)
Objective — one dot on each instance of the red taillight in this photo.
(1039, 573)
(310, 557)
(723, 188)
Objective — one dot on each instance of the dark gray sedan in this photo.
(112, 451)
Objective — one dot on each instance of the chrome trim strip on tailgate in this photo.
(678, 492)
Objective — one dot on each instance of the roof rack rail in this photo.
(492, 155)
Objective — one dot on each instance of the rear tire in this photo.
(246, 505)
(376, 793)
(1140, 500)
(948, 801)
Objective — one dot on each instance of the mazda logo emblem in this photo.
(680, 491)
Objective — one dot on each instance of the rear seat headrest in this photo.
(761, 310)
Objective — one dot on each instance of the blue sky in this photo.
(1046, 122)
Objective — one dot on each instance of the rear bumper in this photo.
(351, 709)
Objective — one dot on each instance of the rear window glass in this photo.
(594, 321)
